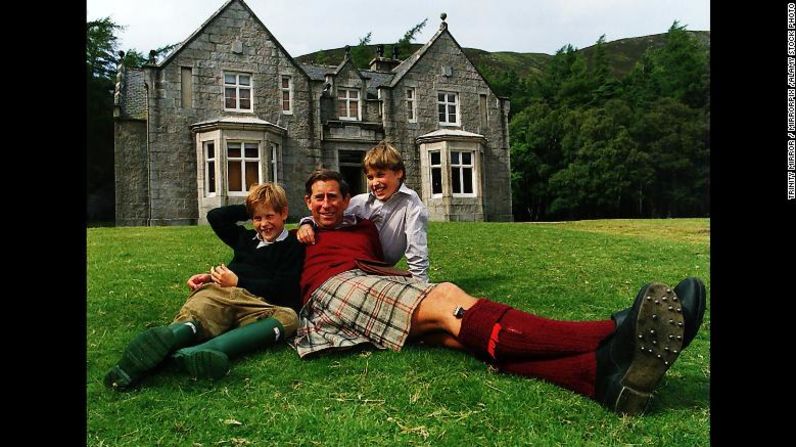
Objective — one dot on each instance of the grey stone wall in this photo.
(427, 78)
(130, 166)
(209, 55)
(235, 40)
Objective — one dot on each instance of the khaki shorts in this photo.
(219, 309)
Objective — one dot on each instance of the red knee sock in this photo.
(576, 373)
(501, 332)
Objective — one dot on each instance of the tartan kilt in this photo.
(354, 307)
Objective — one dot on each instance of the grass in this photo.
(421, 396)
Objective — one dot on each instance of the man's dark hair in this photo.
(327, 175)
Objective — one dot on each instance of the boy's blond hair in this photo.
(384, 156)
(268, 194)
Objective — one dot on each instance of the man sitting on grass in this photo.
(617, 362)
(258, 294)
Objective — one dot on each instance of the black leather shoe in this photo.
(692, 300)
(632, 362)
(691, 292)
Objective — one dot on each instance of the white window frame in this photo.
(460, 166)
(348, 99)
(243, 159)
(289, 91)
(411, 105)
(274, 161)
(431, 168)
(238, 87)
(208, 169)
(446, 103)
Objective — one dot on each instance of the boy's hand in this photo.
(306, 235)
(223, 276)
(196, 281)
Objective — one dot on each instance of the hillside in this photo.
(622, 54)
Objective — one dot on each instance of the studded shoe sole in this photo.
(658, 341)
(203, 364)
(144, 353)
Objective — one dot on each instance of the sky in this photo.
(305, 26)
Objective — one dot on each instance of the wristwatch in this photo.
(458, 312)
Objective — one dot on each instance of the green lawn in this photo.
(421, 396)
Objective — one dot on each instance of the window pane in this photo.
(211, 150)
(233, 150)
(409, 112)
(245, 98)
(244, 80)
(436, 181)
(251, 150)
(410, 93)
(451, 98)
(229, 79)
(440, 97)
(455, 179)
(234, 176)
(286, 96)
(467, 158)
(352, 108)
(467, 175)
(353, 94)
(441, 110)
(211, 176)
(230, 99)
(251, 173)
(435, 158)
(341, 108)
(341, 94)
(285, 82)
(454, 158)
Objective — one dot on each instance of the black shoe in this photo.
(143, 354)
(691, 292)
(631, 362)
(692, 300)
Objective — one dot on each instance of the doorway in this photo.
(350, 164)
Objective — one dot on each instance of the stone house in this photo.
(229, 107)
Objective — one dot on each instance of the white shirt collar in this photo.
(403, 188)
(263, 243)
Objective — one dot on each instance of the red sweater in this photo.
(335, 252)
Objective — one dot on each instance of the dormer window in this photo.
(348, 104)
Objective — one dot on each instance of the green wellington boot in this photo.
(147, 351)
(210, 360)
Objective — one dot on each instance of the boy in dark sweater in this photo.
(257, 295)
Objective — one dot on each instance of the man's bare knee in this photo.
(446, 291)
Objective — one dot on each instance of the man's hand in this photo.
(196, 281)
(306, 235)
(223, 276)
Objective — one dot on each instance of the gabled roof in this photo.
(347, 61)
(207, 22)
(412, 60)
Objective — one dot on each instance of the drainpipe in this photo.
(148, 161)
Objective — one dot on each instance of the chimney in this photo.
(383, 64)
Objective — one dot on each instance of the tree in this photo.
(101, 46)
(360, 55)
(405, 43)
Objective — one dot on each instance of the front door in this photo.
(350, 163)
